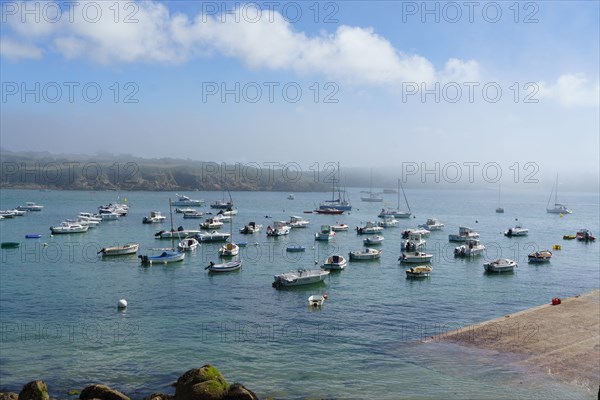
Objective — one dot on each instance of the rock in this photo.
(204, 383)
(159, 396)
(73, 392)
(101, 392)
(237, 391)
(9, 396)
(34, 390)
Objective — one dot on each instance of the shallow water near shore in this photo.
(60, 322)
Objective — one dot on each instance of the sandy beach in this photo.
(562, 340)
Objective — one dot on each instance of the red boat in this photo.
(585, 235)
(331, 211)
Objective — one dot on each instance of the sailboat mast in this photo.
(172, 231)
(404, 194)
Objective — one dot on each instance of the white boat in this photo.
(325, 233)
(30, 206)
(225, 267)
(417, 231)
(414, 242)
(17, 213)
(193, 215)
(558, 208)
(109, 216)
(298, 222)
(371, 227)
(316, 300)
(229, 250)
(88, 223)
(585, 235)
(222, 204)
(421, 271)
(166, 257)
(373, 240)
(68, 227)
(154, 218)
(213, 236)
(516, 231)
(335, 262)
(187, 202)
(175, 234)
(464, 233)
(126, 249)
(229, 212)
(540, 256)
(432, 224)
(251, 227)
(471, 248)
(372, 197)
(341, 203)
(339, 228)
(291, 196)
(7, 214)
(185, 210)
(500, 265)
(300, 277)
(397, 213)
(365, 254)
(119, 209)
(90, 217)
(189, 244)
(280, 228)
(417, 257)
(226, 219)
(389, 222)
(211, 223)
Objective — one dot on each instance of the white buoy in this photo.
(122, 304)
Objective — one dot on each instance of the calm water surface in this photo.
(60, 323)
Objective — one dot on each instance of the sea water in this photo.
(60, 323)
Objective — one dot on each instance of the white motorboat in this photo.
(30, 206)
(179, 233)
(371, 227)
(119, 209)
(298, 222)
(417, 257)
(300, 277)
(229, 212)
(316, 300)
(189, 244)
(166, 257)
(193, 215)
(335, 262)
(325, 233)
(417, 231)
(397, 213)
(68, 227)
(185, 210)
(558, 208)
(540, 256)
(421, 271)
(500, 265)
(225, 267)
(365, 254)
(17, 213)
(414, 242)
(464, 233)
(88, 223)
(90, 217)
(226, 219)
(291, 196)
(373, 240)
(251, 227)
(229, 250)
(280, 228)
(516, 231)
(154, 218)
(7, 214)
(211, 223)
(389, 222)
(127, 249)
(339, 228)
(213, 236)
(187, 202)
(432, 224)
(471, 248)
(109, 216)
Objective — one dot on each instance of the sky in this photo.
(383, 84)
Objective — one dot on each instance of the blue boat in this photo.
(295, 248)
(164, 258)
(33, 236)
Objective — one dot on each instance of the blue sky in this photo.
(381, 82)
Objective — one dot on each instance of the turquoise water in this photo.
(60, 322)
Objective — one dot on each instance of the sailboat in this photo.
(340, 203)
(558, 207)
(222, 204)
(397, 213)
(168, 255)
(372, 197)
(499, 210)
(229, 249)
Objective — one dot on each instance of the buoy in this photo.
(122, 304)
(45, 244)
(556, 301)
(325, 296)
(561, 215)
(556, 247)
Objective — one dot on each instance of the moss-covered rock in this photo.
(239, 392)
(9, 396)
(204, 383)
(159, 396)
(101, 392)
(73, 392)
(34, 390)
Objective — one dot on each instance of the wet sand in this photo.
(561, 340)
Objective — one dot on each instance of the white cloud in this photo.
(17, 51)
(571, 90)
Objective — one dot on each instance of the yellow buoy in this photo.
(556, 247)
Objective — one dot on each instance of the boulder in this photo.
(204, 383)
(239, 392)
(9, 396)
(34, 390)
(101, 392)
(159, 396)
